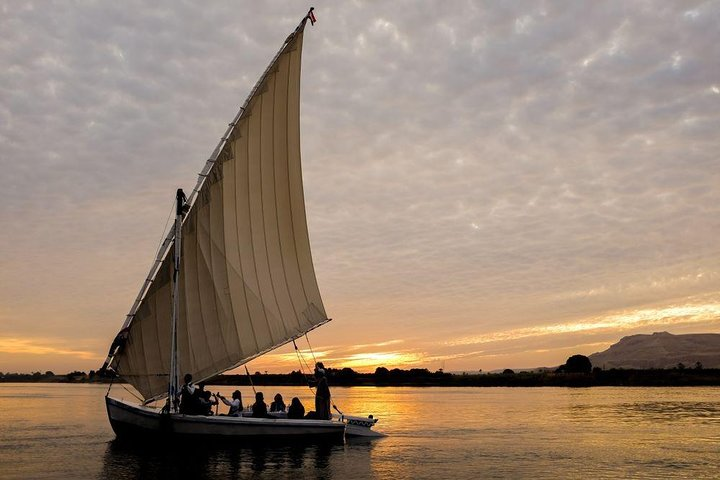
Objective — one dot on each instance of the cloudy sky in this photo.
(488, 184)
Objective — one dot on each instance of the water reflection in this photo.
(670, 411)
(649, 412)
(554, 433)
(224, 460)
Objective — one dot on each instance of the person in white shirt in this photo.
(235, 404)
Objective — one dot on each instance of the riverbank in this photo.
(424, 378)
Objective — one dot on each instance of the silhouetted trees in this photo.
(576, 364)
(346, 375)
(297, 377)
(422, 377)
(75, 376)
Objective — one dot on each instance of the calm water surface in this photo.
(61, 431)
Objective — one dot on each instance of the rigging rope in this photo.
(311, 349)
(301, 360)
(116, 374)
(131, 393)
(110, 386)
(112, 380)
(164, 235)
(315, 362)
(250, 378)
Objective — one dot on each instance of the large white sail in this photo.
(247, 283)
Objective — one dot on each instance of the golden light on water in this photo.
(667, 316)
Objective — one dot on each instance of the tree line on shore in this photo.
(576, 372)
(51, 377)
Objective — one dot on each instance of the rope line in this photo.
(112, 379)
(315, 362)
(164, 234)
(131, 393)
(311, 349)
(250, 378)
(301, 360)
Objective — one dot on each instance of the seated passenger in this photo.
(235, 404)
(206, 403)
(278, 405)
(259, 409)
(296, 409)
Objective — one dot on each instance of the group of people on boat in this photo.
(195, 400)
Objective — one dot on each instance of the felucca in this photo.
(234, 278)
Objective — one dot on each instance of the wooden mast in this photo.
(174, 380)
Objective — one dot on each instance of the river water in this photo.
(61, 431)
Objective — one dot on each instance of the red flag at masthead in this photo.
(311, 16)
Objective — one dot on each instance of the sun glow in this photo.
(364, 361)
(337, 357)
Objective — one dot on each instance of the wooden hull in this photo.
(354, 426)
(359, 426)
(138, 422)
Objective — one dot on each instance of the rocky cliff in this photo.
(661, 350)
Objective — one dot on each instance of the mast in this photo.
(174, 380)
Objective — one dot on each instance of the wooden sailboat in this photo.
(234, 279)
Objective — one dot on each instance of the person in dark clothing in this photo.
(278, 405)
(296, 410)
(259, 408)
(322, 395)
(189, 404)
(206, 402)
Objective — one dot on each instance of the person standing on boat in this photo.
(322, 394)
(235, 404)
(188, 397)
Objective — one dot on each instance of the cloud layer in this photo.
(469, 169)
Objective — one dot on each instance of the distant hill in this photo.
(661, 350)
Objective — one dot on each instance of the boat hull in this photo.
(135, 421)
(359, 426)
(354, 426)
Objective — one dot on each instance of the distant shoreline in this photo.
(424, 378)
